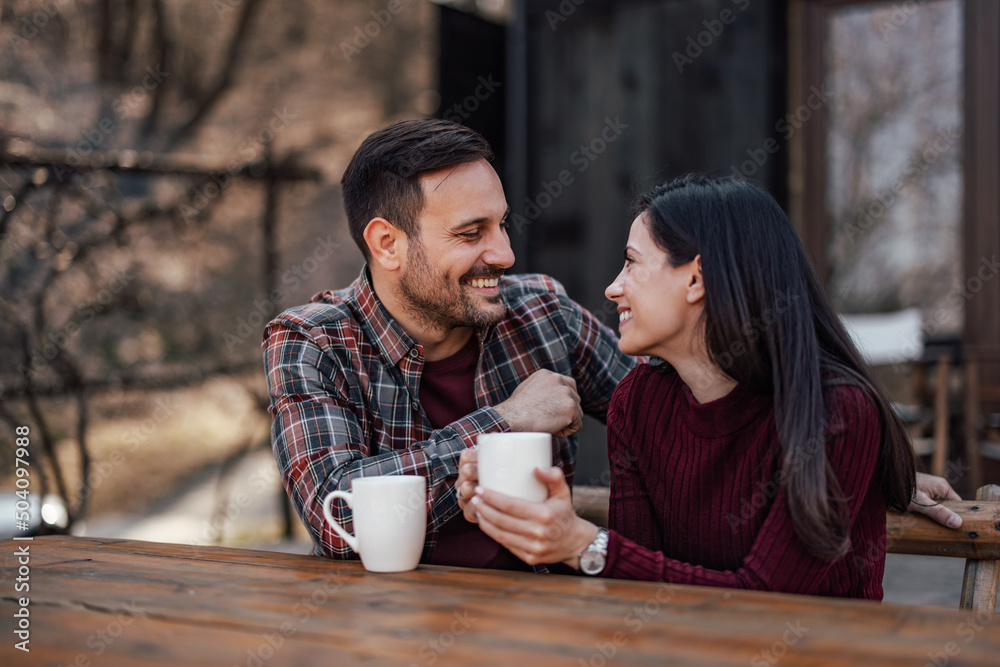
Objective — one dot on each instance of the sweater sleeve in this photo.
(778, 559)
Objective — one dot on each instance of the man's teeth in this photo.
(624, 315)
(483, 282)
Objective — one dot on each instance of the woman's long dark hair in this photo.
(768, 324)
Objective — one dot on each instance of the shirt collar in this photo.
(384, 331)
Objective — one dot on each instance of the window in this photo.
(894, 159)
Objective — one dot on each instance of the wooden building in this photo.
(602, 99)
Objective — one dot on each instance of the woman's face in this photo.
(658, 304)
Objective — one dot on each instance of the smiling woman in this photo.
(654, 297)
(781, 418)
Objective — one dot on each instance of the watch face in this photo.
(592, 562)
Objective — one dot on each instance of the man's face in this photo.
(453, 266)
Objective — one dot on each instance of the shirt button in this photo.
(414, 353)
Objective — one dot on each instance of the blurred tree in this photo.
(148, 150)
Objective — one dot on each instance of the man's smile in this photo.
(483, 283)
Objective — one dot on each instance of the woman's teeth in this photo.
(624, 315)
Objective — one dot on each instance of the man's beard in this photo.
(441, 306)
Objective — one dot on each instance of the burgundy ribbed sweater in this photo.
(695, 499)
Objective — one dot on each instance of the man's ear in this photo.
(696, 283)
(386, 243)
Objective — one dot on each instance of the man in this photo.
(431, 345)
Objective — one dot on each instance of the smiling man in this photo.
(432, 345)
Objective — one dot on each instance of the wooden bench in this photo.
(978, 541)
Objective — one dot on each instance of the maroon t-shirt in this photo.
(447, 392)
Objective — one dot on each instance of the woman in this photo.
(755, 451)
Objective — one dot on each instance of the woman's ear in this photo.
(696, 283)
(385, 243)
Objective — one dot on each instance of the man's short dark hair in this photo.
(383, 178)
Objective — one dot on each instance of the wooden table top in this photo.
(121, 602)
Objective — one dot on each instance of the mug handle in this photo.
(348, 498)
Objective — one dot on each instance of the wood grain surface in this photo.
(119, 602)
(978, 537)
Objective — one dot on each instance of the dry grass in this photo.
(143, 447)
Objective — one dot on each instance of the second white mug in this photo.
(507, 463)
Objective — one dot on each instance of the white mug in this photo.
(390, 520)
(507, 462)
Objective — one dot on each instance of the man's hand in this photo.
(546, 402)
(926, 500)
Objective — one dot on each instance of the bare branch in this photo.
(22, 152)
(165, 47)
(133, 11)
(171, 378)
(105, 41)
(82, 495)
(5, 215)
(212, 96)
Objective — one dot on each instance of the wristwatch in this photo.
(595, 557)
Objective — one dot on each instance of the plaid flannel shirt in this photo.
(344, 381)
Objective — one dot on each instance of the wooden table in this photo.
(119, 602)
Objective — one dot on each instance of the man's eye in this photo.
(470, 235)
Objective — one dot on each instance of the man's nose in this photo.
(499, 253)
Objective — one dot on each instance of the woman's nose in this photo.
(614, 290)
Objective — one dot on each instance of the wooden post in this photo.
(979, 588)
(941, 417)
(971, 430)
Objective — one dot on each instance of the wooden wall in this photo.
(577, 68)
(650, 91)
(982, 176)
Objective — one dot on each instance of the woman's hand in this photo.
(545, 532)
(926, 500)
(465, 485)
